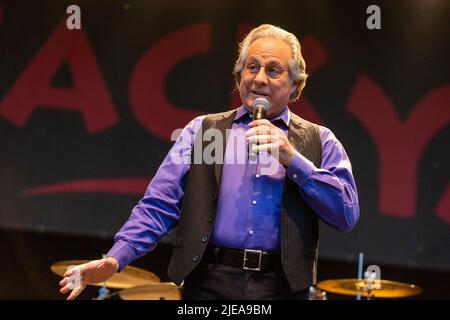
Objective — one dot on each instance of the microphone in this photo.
(260, 108)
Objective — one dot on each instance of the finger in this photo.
(64, 289)
(75, 293)
(258, 130)
(72, 270)
(269, 147)
(260, 122)
(68, 273)
(63, 282)
(259, 138)
(262, 138)
(70, 285)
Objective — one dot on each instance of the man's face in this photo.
(272, 55)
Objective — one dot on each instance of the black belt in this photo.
(253, 260)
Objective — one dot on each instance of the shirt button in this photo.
(250, 232)
(254, 201)
(257, 176)
(195, 259)
(204, 239)
(294, 176)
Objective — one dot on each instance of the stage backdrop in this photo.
(86, 115)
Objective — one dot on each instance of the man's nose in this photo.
(261, 76)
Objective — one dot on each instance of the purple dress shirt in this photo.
(248, 214)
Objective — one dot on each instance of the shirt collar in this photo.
(285, 115)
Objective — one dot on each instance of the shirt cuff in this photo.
(300, 169)
(122, 252)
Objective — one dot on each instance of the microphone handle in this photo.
(259, 113)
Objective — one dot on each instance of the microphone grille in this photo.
(262, 103)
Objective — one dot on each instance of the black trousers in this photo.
(222, 282)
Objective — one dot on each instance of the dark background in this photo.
(407, 60)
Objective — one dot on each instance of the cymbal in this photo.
(129, 277)
(354, 287)
(157, 291)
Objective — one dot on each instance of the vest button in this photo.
(211, 219)
(214, 197)
(195, 259)
(204, 239)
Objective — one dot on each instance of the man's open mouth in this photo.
(259, 93)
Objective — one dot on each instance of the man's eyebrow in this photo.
(252, 59)
(271, 61)
(274, 62)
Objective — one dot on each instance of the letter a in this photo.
(374, 20)
(74, 20)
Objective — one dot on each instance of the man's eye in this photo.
(273, 71)
(252, 67)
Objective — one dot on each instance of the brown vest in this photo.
(299, 223)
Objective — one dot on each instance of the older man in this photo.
(244, 233)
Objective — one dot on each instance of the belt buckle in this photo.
(244, 265)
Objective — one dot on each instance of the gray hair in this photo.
(297, 66)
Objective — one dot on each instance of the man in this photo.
(243, 231)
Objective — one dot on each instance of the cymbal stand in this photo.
(103, 292)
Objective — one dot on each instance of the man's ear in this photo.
(294, 89)
(237, 80)
(294, 86)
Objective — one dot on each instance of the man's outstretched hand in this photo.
(92, 272)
